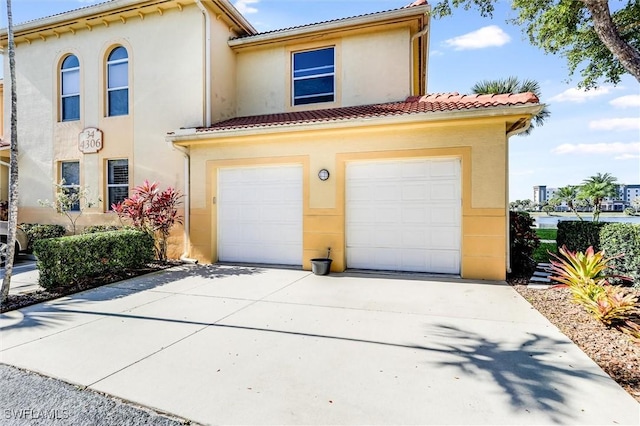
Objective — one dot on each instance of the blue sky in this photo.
(588, 132)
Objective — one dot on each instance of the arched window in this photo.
(118, 82)
(70, 89)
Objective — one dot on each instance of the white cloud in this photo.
(627, 157)
(436, 53)
(623, 151)
(580, 95)
(628, 101)
(491, 36)
(244, 6)
(615, 124)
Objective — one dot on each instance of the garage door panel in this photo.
(415, 215)
(445, 168)
(416, 212)
(260, 215)
(445, 262)
(418, 191)
(385, 192)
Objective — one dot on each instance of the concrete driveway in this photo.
(242, 345)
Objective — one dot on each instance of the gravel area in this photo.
(615, 352)
(31, 399)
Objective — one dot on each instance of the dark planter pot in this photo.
(321, 266)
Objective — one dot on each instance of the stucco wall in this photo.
(166, 85)
(480, 144)
(372, 67)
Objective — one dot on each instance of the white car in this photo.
(22, 241)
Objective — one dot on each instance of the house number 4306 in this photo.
(90, 140)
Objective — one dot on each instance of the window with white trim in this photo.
(118, 82)
(70, 89)
(70, 179)
(313, 79)
(117, 181)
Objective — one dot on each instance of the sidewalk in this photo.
(25, 276)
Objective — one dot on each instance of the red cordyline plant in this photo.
(152, 211)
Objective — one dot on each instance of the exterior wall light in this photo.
(323, 174)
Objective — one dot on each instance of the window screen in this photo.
(314, 76)
(117, 181)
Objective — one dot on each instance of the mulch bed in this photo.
(615, 352)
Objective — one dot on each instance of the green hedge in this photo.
(38, 231)
(622, 239)
(612, 237)
(101, 228)
(579, 235)
(72, 260)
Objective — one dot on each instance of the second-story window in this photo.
(314, 76)
(118, 82)
(70, 89)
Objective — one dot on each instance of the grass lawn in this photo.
(541, 254)
(547, 233)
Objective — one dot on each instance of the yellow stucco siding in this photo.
(479, 144)
(264, 74)
(165, 92)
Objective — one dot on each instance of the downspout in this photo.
(207, 64)
(510, 133)
(187, 205)
(207, 122)
(422, 32)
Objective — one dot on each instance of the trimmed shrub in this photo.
(38, 231)
(523, 242)
(622, 239)
(100, 228)
(72, 260)
(579, 235)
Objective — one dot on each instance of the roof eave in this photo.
(114, 6)
(331, 26)
(182, 136)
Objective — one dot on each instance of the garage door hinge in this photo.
(213, 200)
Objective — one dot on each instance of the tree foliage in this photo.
(569, 196)
(514, 85)
(595, 189)
(70, 202)
(600, 44)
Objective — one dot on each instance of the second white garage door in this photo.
(404, 215)
(260, 215)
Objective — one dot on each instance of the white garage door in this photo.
(260, 215)
(404, 215)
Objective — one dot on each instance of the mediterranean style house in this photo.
(285, 143)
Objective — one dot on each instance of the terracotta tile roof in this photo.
(437, 102)
(413, 4)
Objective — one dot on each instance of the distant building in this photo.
(626, 193)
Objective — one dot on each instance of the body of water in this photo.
(552, 221)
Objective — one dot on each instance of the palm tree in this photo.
(13, 163)
(569, 195)
(514, 85)
(596, 188)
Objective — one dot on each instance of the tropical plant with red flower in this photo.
(153, 211)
